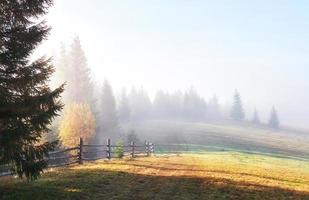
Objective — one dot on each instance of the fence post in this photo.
(80, 157)
(108, 149)
(147, 148)
(151, 147)
(132, 146)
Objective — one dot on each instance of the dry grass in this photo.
(209, 176)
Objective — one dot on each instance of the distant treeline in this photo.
(132, 106)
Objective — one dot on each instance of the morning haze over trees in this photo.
(112, 110)
(92, 114)
(135, 100)
(159, 140)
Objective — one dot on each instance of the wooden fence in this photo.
(86, 152)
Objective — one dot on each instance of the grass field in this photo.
(225, 136)
(221, 175)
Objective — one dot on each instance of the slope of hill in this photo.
(223, 137)
(225, 175)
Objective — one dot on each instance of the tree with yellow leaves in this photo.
(78, 121)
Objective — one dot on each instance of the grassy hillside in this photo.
(209, 176)
(228, 136)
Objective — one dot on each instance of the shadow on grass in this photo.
(184, 167)
(103, 184)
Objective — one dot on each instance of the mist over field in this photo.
(221, 74)
(258, 48)
(156, 99)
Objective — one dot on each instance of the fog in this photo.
(261, 49)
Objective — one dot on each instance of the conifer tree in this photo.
(108, 122)
(176, 104)
(213, 109)
(237, 111)
(71, 67)
(162, 105)
(27, 104)
(256, 118)
(79, 85)
(194, 106)
(124, 107)
(274, 119)
(140, 103)
(61, 68)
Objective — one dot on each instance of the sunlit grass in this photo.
(187, 176)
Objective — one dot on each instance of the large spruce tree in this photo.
(27, 104)
(237, 111)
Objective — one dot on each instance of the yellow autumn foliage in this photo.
(78, 121)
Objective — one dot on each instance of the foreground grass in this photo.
(208, 176)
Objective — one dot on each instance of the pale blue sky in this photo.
(259, 47)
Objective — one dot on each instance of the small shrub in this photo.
(119, 149)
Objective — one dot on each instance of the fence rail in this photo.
(86, 152)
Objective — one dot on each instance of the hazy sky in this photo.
(259, 47)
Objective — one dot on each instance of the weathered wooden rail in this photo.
(88, 152)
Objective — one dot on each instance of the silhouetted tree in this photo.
(124, 109)
(213, 109)
(237, 112)
(256, 118)
(27, 104)
(176, 104)
(72, 68)
(162, 105)
(80, 85)
(274, 119)
(168, 105)
(140, 104)
(108, 119)
(194, 107)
